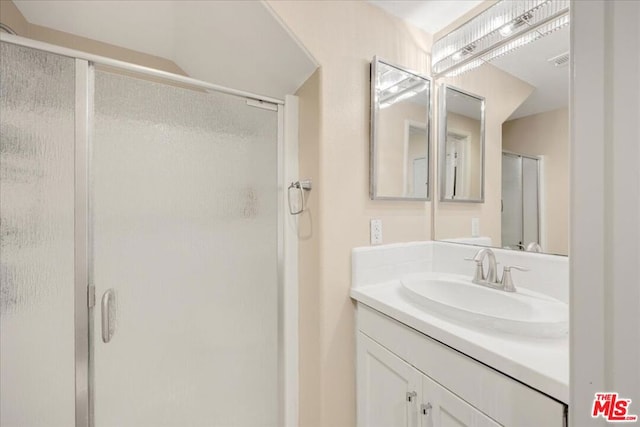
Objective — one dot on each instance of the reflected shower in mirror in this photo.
(535, 139)
(400, 111)
(461, 146)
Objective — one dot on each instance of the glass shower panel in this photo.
(511, 201)
(530, 208)
(37, 371)
(185, 234)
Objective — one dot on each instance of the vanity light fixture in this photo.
(502, 28)
(506, 30)
(467, 50)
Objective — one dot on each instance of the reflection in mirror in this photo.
(535, 146)
(461, 146)
(526, 153)
(520, 217)
(400, 102)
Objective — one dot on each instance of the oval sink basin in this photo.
(522, 313)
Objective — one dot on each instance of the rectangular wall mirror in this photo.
(400, 143)
(461, 146)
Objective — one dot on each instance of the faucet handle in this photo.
(507, 280)
(517, 267)
(478, 277)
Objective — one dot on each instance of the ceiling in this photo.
(202, 38)
(429, 15)
(238, 44)
(528, 63)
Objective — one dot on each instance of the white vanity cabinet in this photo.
(389, 389)
(442, 408)
(393, 393)
(406, 379)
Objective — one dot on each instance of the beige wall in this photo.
(11, 16)
(309, 269)
(547, 134)
(503, 93)
(343, 37)
(390, 143)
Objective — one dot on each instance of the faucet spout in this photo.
(492, 275)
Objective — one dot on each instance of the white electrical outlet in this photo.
(376, 231)
(475, 227)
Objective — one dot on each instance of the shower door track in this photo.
(287, 258)
(96, 59)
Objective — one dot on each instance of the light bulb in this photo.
(456, 56)
(506, 30)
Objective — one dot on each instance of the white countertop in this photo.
(540, 363)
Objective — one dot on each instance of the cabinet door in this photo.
(441, 408)
(389, 389)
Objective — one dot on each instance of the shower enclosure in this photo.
(520, 216)
(142, 246)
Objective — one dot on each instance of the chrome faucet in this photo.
(492, 276)
(534, 247)
(491, 279)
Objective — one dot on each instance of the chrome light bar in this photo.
(504, 27)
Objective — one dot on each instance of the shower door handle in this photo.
(108, 308)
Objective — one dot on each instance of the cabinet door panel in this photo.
(389, 389)
(508, 402)
(448, 410)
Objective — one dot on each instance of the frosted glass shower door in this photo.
(37, 369)
(520, 210)
(185, 242)
(511, 217)
(530, 208)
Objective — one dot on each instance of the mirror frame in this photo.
(442, 126)
(373, 150)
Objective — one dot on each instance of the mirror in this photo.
(526, 200)
(461, 148)
(400, 115)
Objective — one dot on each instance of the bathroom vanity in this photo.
(418, 365)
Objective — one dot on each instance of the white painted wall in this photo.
(605, 205)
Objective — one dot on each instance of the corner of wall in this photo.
(11, 16)
(343, 37)
(309, 243)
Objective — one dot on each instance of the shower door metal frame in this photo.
(538, 160)
(82, 244)
(84, 299)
